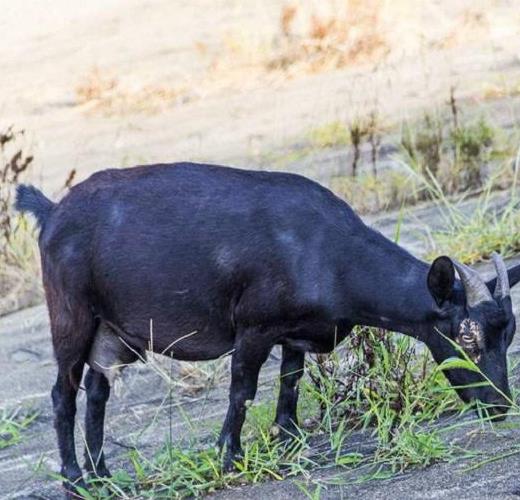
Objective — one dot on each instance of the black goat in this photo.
(248, 260)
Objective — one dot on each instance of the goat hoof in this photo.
(230, 457)
(96, 471)
(100, 472)
(73, 487)
(284, 433)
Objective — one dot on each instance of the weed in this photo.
(99, 92)
(503, 89)
(368, 193)
(329, 135)
(475, 236)
(473, 233)
(374, 138)
(376, 382)
(197, 377)
(330, 41)
(336, 134)
(12, 425)
(14, 163)
(472, 145)
(455, 154)
(19, 263)
(423, 144)
(358, 130)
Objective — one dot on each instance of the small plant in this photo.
(454, 153)
(374, 139)
(368, 193)
(472, 145)
(473, 235)
(376, 381)
(330, 135)
(100, 92)
(423, 146)
(19, 261)
(358, 130)
(346, 36)
(14, 163)
(12, 426)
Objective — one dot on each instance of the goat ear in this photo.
(441, 279)
(514, 277)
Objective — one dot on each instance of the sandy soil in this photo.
(229, 110)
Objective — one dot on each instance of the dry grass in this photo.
(308, 39)
(305, 38)
(197, 377)
(502, 90)
(19, 260)
(331, 40)
(314, 37)
(471, 24)
(100, 92)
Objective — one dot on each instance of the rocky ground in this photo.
(234, 115)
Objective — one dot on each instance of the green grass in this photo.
(367, 193)
(460, 155)
(385, 389)
(473, 234)
(12, 426)
(474, 237)
(329, 135)
(376, 383)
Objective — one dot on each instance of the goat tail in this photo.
(30, 199)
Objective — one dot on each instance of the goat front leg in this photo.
(98, 392)
(291, 371)
(248, 357)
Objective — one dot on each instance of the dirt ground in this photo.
(211, 51)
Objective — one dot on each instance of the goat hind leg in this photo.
(98, 392)
(64, 402)
(72, 327)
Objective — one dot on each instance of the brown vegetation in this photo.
(100, 92)
(19, 282)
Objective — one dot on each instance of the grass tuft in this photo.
(375, 383)
(471, 233)
(12, 425)
(329, 135)
(19, 259)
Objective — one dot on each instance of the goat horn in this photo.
(502, 289)
(474, 286)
